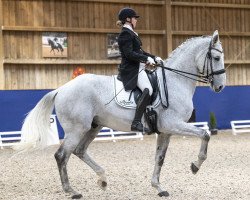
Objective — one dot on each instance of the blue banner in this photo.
(231, 104)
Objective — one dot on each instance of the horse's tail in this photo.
(36, 127)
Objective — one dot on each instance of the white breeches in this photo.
(143, 81)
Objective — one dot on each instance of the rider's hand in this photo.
(150, 61)
(158, 60)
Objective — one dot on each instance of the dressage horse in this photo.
(82, 109)
(55, 45)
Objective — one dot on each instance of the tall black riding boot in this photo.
(141, 106)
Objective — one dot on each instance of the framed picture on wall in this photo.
(54, 44)
(113, 48)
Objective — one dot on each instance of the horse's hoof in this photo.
(163, 194)
(194, 168)
(76, 196)
(102, 184)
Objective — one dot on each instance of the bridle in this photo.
(210, 77)
(202, 77)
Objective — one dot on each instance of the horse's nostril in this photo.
(219, 89)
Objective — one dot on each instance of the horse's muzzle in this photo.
(218, 89)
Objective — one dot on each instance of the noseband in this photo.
(209, 77)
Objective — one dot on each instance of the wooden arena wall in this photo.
(164, 24)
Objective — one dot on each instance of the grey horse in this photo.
(82, 110)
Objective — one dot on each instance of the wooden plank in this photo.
(185, 20)
(5, 12)
(83, 61)
(57, 61)
(30, 13)
(212, 5)
(76, 30)
(126, 1)
(221, 33)
(46, 16)
(237, 62)
(168, 25)
(194, 19)
(52, 13)
(1, 48)
(141, 2)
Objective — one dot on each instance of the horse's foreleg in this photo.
(195, 166)
(80, 152)
(186, 129)
(161, 149)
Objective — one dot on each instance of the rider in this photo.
(131, 70)
(55, 40)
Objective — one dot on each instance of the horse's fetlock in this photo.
(154, 184)
(202, 157)
(100, 172)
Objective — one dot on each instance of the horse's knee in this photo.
(206, 136)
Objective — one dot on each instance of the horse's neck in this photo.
(184, 59)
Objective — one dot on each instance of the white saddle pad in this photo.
(122, 96)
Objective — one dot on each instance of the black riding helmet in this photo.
(127, 13)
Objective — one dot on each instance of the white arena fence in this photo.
(14, 137)
(203, 125)
(240, 126)
(110, 134)
(9, 138)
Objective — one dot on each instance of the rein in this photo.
(202, 78)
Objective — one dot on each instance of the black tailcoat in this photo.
(132, 54)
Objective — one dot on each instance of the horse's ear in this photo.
(215, 37)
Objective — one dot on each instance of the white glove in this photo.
(150, 61)
(158, 60)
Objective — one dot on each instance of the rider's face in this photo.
(133, 21)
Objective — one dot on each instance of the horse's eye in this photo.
(217, 58)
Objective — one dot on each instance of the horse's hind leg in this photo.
(62, 156)
(102, 181)
(80, 152)
(162, 146)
